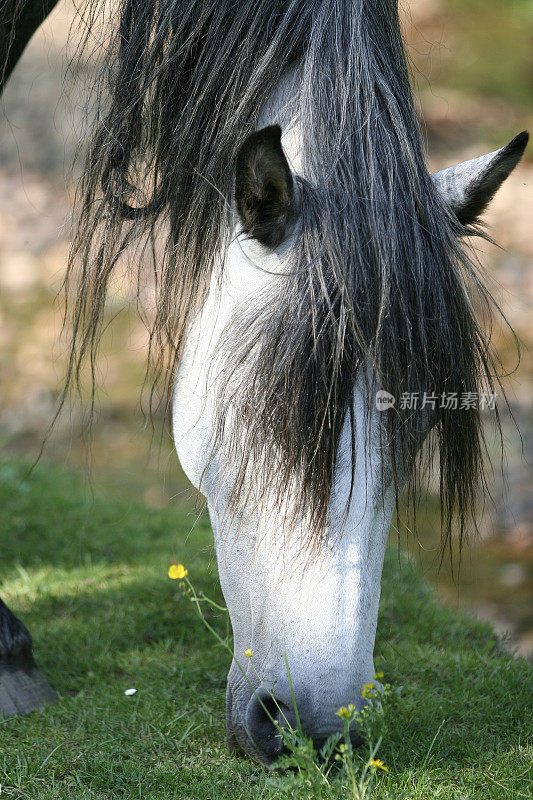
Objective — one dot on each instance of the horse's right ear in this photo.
(264, 190)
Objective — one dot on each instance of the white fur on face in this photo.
(322, 613)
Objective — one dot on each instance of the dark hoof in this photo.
(23, 688)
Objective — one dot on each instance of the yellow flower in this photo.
(343, 713)
(368, 688)
(377, 763)
(177, 572)
(379, 675)
(248, 653)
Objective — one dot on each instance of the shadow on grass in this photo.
(105, 616)
(96, 631)
(464, 698)
(46, 518)
(459, 689)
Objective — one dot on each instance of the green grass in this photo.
(88, 576)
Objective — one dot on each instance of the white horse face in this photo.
(320, 611)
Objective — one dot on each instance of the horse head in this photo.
(309, 605)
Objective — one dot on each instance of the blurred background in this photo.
(472, 67)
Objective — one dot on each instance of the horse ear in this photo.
(469, 187)
(264, 191)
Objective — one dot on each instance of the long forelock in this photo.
(377, 276)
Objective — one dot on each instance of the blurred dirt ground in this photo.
(42, 123)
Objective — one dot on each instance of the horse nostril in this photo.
(264, 713)
(261, 714)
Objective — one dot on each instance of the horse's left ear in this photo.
(469, 187)
(264, 190)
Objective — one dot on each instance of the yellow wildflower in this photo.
(368, 688)
(248, 653)
(343, 713)
(177, 572)
(379, 675)
(377, 763)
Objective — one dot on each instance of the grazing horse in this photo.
(267, 157)
(318, 609)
